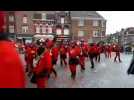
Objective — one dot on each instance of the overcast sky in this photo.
(117, 20)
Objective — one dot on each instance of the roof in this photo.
(89, 14)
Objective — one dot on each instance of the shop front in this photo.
(43, 37)
(24, 38)
(12, 36)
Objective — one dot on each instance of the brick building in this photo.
(88, 25)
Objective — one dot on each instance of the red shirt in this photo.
(12, 73)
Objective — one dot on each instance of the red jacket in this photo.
(62, 50)
(55, 52)
(98, 49)
(30, 54)
(78, 50)
(12, 73)
(93, 49)
(109, 49)
(45, 63)
(73, 53)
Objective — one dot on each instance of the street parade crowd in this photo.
(41, 59)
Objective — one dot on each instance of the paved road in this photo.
(106, 74)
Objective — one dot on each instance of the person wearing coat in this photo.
(92, 54)
(30, 54)
(117, 52)
(73, 60)
(82, 56)
(131, 67)
(43, 69)
(63, 55)
(55, 53)
(109, 51)
(12, 74)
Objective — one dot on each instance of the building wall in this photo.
(72, 23)
(88, 28)
(19, 22)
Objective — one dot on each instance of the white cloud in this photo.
(117, 20)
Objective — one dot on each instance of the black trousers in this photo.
(91, 57)
(99, 58)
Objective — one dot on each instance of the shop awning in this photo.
(43, 36)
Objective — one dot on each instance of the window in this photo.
(58, 31)
(11, 28)
(62, 20)
(102, 23)
(95, 23)
(103, 33)
(37, 16)
(95, 33)
(24, 29)
(49, 29)
(43, 16)
(11, 18)
(81, 22)
(66, 31)
(43, 29)
(25, 19)
(80, 33)
(37, 29)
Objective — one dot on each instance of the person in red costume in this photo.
(63, 55)
(82, 57)
(12, 73)
(98, 52)
(106, 51)
(43, 69)
(95, 51)
(55, 53)
(73, 61)
(92, 54)
(85, 49)
(117, 51)
(109, 51)
(29, 57)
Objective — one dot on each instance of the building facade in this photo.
(27, 24)
(87, 25)
(127, 36)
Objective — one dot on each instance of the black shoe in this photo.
(73, 77)
(55, 75)
(82, 70)
(92, 67)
